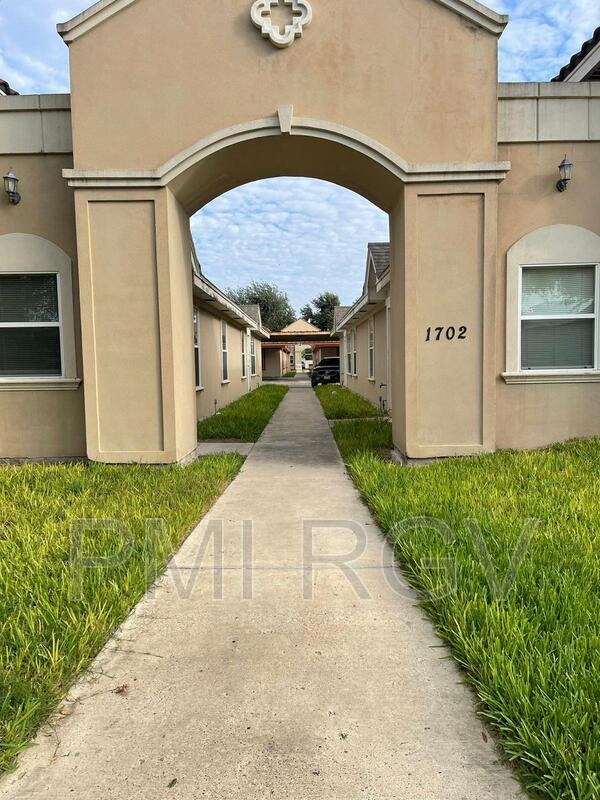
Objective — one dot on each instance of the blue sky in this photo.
(304, 235)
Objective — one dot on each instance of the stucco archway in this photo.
(234, 110)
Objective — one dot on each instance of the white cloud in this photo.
(306, 236)
(542, 35)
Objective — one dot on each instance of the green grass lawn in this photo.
(340, 403)
(291, 374)
(532, 653)
(246, 419)
(49, 630)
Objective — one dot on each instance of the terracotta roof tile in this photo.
(578, 58)
(6, 89)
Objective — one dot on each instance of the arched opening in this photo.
(137, 233)
(297, 247)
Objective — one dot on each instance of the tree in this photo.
(275, 309)
(321, 312)
(306, 312)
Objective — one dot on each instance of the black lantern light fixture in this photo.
(11, 182)
(565, 169)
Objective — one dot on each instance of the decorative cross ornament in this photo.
(261, 17)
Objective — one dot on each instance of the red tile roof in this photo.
(578, 58)
(5, 88)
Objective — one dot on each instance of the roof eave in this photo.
(477, 13)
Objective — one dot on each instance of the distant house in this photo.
(227, 345)
(301, 336)
(275, 360)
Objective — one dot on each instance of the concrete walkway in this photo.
(267, 692)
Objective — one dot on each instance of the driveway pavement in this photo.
(278, 657)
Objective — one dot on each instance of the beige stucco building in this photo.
(303, 341)
(275, 360)
(492, 299)
(366, 350)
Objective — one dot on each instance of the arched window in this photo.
(553, 305)
(37, 336)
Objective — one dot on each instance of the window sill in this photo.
(39, 384)
(371, 380)
(199, 388)
(224, 383)
(558, 376)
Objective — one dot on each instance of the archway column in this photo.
(443, 294)
(136, 311)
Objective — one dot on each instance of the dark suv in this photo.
(326, 371)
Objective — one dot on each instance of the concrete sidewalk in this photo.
(275, 662)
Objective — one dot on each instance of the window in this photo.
(371, 325)
(30, 326)
(348, 337)
(558, 317)
(197, 356)
(244, 360)
(253, 356)
(224, 353)
(354, 357)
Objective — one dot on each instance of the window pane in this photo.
(197, 366)
(225, 367)
(28, 298)
(196, 327)
(558, 290)
(557, 344)
(30, 352)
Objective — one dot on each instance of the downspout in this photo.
(388, 347)
(249, 359)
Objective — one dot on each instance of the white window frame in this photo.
(197, 349)
(27, 254)
(371, 343)
(569, 245)
(348, 336)
(354, 355)
(58, 324)
(522, 318)
(244, 356)
(224, 352)
(253, 364)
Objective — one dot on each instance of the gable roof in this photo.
(300, 326)
(475, 12)
(339, 314)
(379, 254)
(584, 65)
(5, 89)
(253, 311)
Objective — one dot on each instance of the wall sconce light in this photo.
(11, 183)
(565, 169)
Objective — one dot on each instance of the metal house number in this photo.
(449, 333)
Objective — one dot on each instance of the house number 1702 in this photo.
(450, 333)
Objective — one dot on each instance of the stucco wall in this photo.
(215, 394)
(36, 424)
(536, 415)
(275, 363)
(430, 73)
(371, 390)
